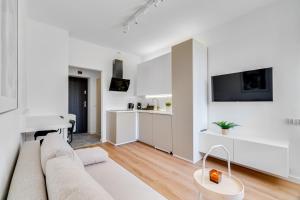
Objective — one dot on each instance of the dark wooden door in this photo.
(78, 102)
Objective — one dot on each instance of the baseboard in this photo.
(110, 142)
(294, 179)
(163, 150)
(182, 158)
(93, 133)
(118, 144)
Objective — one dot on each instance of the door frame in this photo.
(98, 106)
(101, 93)
(87, 98)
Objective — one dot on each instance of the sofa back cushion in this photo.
(28, 181)
(67, 181)
(54, 146)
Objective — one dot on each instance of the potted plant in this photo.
(225, 126)
(168, 105)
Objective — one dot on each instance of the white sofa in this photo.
(29, 182)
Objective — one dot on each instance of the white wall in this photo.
(90, 56)
(47, 69)
(269, 37)
(10, 122)
(9, 146)
(92, 77)
(49, 53)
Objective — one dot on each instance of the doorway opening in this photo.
(85, 103)
(78, 103)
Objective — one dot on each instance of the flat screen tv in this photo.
(255, 85)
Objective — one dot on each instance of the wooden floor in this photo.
(172, 177)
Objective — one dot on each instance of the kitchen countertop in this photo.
(162, 112)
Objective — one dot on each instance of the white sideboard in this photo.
(209, 140)
(267, 155)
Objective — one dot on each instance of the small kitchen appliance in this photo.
(139, 106)
(130, 106)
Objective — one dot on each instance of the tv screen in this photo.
(255, 85)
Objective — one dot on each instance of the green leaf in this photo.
(225, 124)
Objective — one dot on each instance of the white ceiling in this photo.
(100, 21)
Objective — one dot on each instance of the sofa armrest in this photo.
(28, 182)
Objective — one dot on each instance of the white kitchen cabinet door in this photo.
(154, 76)
(146, 128)
(126, 127)
(121, 127)
(162, 132)
(111, 124)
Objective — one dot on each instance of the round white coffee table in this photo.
(230, 188)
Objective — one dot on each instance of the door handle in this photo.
(84, 104)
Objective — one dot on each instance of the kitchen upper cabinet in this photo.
(154, 76)
(162, 132)
(146, 128)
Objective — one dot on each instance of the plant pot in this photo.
(225, 131)
(168, 108)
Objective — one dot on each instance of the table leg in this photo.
(199, 196)
(65, 134)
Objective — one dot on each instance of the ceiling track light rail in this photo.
(134, 19)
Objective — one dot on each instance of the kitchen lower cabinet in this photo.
(162, 132)
(146, 128)
(121, 127)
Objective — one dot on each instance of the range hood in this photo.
(117, 82)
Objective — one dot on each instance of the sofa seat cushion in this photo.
(55, 146)
(93, 155)
(120, 183)
(28, 181)
(67, 181)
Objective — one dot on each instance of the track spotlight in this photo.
(141, 11)
(125, 28)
